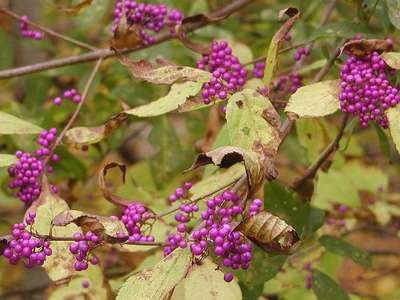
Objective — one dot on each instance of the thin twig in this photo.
(77, 110)
(107, 53)
(329, 150)
(47, 30)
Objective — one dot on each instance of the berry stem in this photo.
(47, 30)
(77, 109)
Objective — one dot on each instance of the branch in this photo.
(107, 53)
(77, 110)
(47, 30)
(330, 149)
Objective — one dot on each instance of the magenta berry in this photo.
(26, 33)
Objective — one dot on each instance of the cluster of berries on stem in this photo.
(26, 33)
(26, 247)
(228, 75)
(70, 94)
(134, 218)
(150, 18)
(81, 248)
(27, 171)
(365, 89)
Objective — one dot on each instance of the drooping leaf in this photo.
(205, 281)
(106, 227)
(76, 8)
(60, 264)
(343, 248)
(263, 267)
(7, 160)
(392, 59)
(291, 208)
(325, 288)
(105, 189)
(365, 46)
(14, 125)
(276, 42)
(79, 136)
(157, 283)
(315, 100)
(269, 232)
(163, 72)
(177, 96)
(393, 7)
(224, 157)
(393, 115)
(253, 123)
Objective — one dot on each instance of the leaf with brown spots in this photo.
(224, 157)
(269, 232)
(14, 125)
(163, 72)
(363, 47)
(159, 282)
(276, 43)
(79, 136)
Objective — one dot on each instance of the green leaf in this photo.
(177, 96)
(312, 136)
(392, 59)
(158, 282)
(276, 42)
(393, 115)
(6, 53)
(205, 281)
(165, 163)
(343, 248)
(7, 160)
(263, 267)
(290, 207)
(345, 29)
(253, 122)
(14, 125)
(393, 10)
(383, 140)
(315, 100)
(384, 211)
(60, 264)
(325, 288)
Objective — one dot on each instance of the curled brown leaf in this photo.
(365, 46)
(76, 8)
(103, 185)
(269, 232)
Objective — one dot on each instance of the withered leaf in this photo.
(269, 232)
(226, 156)
(365, 46)
(162, 71)
(79, 136)
(103, 185)
(126, 36)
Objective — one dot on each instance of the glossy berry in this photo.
(81, 249)
(26, 33)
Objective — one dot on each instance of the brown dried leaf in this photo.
(103, 185)
(162, 71)
(269, 232)
(106, 227)
(79, 136)
(126, 36)
(363, 47)
(192, 22)
(76, 8)
(226, 156)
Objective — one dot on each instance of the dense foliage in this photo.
(199, 149)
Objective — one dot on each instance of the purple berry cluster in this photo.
(26, 33)
(151, 17)
(23, 246)
(134, 217)
(81, 248)
(258, 71)
(288, 83)
(255, 207)
(70, 94)
(365, 89)
(228, 75)
(27, 171)
(180, 192)
(300, 53)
